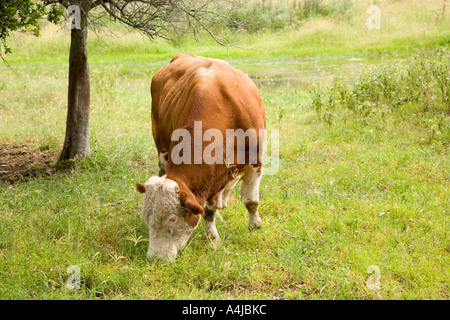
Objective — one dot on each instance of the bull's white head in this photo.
(171, 212)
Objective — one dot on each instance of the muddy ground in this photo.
(22, 162)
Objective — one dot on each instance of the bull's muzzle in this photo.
(166, 257)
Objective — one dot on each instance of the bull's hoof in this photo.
(214, 240)
(255, 224)
(212, 235)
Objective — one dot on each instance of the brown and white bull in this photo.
(190, 94)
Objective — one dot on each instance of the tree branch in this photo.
(157, 18)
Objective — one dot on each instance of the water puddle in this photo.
(301, 72)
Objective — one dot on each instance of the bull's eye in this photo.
(172, 220)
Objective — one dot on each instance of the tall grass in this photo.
(253, 16)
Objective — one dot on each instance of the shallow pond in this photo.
(301, 72)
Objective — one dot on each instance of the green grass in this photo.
(356, 190)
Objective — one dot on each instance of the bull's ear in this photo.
(191, 219)
(140, 187)
(194, 210)
(192, 206)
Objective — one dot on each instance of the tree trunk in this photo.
(76, 142)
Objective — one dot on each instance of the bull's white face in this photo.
(165, 218)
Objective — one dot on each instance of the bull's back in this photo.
(164, 80)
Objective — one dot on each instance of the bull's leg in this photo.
(250, 195)
(162, 163)
(210, 224)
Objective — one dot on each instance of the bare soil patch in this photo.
(22, 162)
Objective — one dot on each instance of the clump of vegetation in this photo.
(314, 8)
(422, 79)
(413, 93)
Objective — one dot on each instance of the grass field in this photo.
(363, 179)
